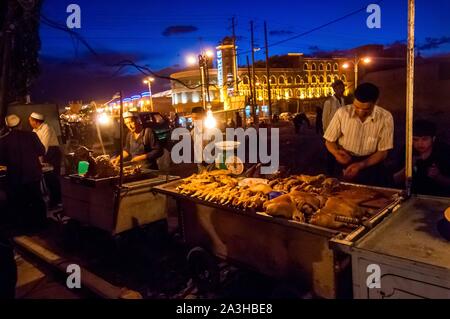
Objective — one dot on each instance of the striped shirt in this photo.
(358, 138)
(331, 105)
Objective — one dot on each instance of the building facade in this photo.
(299, 79)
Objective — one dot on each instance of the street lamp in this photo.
(149, 81)
(203, 60)
(356, 61)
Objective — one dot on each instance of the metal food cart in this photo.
(277, 247)
(103, 204)
(410, 250)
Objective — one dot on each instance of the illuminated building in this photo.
(294, 79)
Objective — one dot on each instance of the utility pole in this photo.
(410, 95)
(269, 95)
(253, 73)
(235, 64)
(251, 93)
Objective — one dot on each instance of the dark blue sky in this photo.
(135, 29)
(136, 26)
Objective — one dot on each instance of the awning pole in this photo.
(410, 96)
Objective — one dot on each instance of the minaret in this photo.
(227, 71)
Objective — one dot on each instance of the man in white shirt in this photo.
(359, 137)
(330, 107)
(49, 139)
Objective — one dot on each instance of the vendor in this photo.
(431, 162)
(53, 155)
(141, 143)
(359, 137)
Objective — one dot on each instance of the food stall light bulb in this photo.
(103, 119)
(210, 121)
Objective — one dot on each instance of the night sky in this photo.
(160, 34)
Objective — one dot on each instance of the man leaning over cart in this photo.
(141, 144)
(359, 137)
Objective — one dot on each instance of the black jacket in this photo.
(19, 152)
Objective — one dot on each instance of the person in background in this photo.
(53, 156)
(330, 107)
(141, 146)
(431, 162)
(360, 136)
(20, 152)
(238, 120)
(299, 120)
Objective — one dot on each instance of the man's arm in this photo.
(45, 137)
(341, 155)
(39, 147)
(154, 146)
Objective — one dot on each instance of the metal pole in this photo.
(202, 77)
(251, 93)
(151, 95)
(235, 65)
(268, 72)
(253, 74)
(206, 61)
(410, 95)
(355, 62)
(121, 140)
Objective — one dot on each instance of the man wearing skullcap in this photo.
(49, 139)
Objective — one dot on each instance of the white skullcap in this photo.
(37, 116)
(12, 120)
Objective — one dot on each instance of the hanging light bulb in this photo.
(210, 121)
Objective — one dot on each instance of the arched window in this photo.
(245, 80)
(336, 77)
(314, 67)
(306, 79)
(329, 78)
(314, 79)
(305, 67)
(336, 67)
(343, 78)
(281, 80)
(264, 79)
(328, 67)
(273, 79)
(321, 79)
(298, 79)
(321, 67)
(290, 80)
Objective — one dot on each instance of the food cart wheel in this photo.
(203, 269)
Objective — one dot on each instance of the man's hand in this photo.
(342, 157)
(353, 170)
(434, 172)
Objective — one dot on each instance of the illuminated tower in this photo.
(227, 71)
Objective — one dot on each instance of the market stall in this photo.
(280, 227)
